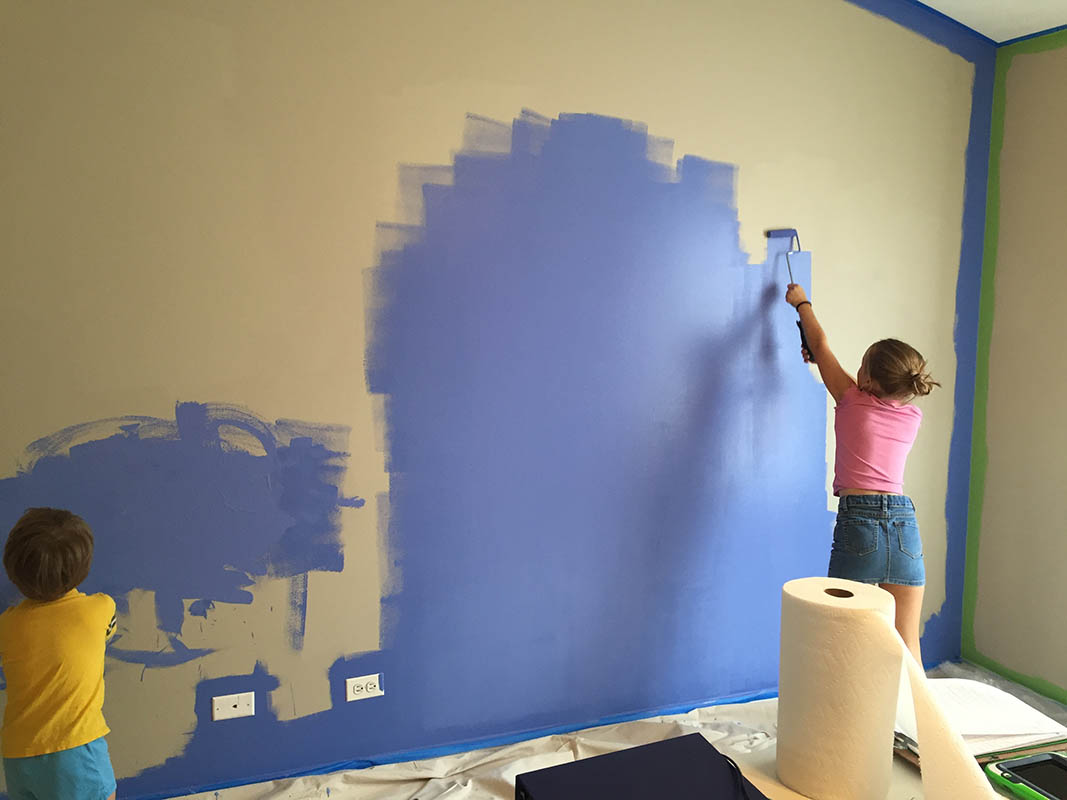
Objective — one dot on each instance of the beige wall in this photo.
(190, 191)
(1022, 593)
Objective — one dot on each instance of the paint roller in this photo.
(792, 235)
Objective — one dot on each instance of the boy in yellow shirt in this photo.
(52, 653)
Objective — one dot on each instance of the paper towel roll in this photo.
(839, 676)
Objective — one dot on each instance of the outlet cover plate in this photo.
(363, 687)
(231, 706)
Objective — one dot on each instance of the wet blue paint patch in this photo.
(606, 455)
(298, 601)
(193, 508)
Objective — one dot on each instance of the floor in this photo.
(745, 732)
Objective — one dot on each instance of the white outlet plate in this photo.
(231, 706)
(363, 687)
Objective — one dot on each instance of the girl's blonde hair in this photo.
(899, 369)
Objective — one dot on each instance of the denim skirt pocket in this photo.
(908, 539)
(856, 535)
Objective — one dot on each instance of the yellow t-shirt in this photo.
(52, 655)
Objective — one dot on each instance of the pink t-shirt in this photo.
(874, 438)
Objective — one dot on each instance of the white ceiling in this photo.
(1002, 20)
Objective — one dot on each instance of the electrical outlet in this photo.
(231, 706)
(363, 687)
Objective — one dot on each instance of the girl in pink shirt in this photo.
(876, 537)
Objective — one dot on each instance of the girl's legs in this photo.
(909, 612)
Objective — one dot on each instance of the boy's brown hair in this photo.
(48, 553)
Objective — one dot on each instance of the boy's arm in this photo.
(110, 616)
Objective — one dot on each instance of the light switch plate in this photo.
(231, 706)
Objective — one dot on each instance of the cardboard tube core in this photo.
(839, 593)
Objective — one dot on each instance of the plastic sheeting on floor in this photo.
(745, 732)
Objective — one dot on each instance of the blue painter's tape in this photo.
(935, 26)
(1036, 35)
(951, 22)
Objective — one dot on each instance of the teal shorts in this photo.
(81, 773)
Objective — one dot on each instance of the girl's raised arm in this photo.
(835, 378)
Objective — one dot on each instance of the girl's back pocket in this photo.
(857, 535)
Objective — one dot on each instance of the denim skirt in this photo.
(876, 540)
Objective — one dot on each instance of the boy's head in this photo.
(48, 553)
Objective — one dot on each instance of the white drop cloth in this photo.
(745, 732)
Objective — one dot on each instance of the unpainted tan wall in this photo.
(1022, 591)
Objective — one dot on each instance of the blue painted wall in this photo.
(605, 450)
(605, 458)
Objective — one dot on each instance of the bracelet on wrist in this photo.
(802, 302)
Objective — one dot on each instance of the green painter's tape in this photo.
(979, 451)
